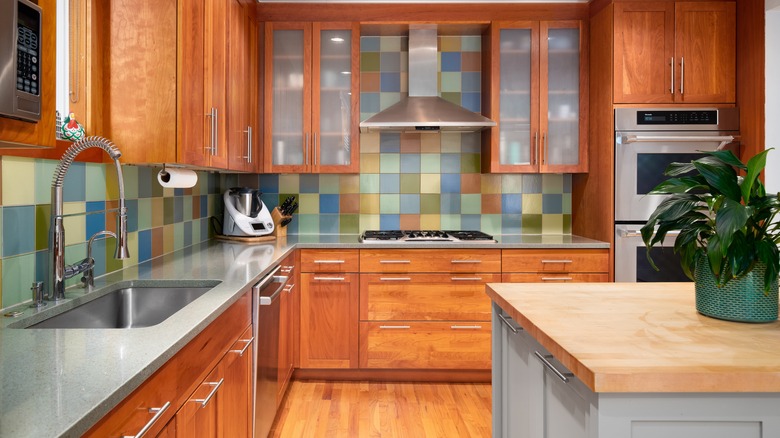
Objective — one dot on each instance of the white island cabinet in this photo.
(569, 363)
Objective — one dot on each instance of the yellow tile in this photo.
(18, 181)
(430, 183)
(552, 224)
(349, 184)
(491, 183)
(532, 203)
(168, 235)
(369, 203)
(369, 163)
(430, 143)
(158, 212)
(369, 222)
(369, 142)
(430, 221)
(75, 226)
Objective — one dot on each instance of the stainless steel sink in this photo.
(127, 307)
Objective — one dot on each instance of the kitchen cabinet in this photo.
(221, 352)
(17, 133)
(675, 52)
(426, 309)
(537, 85)
(329, 309)
(554, 265)
(287, 327)
(311, 97)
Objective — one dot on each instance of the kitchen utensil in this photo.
(245, 213)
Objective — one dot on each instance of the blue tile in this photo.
(204, 208)
(96, 222)
(450, 61)
(471, 101)
(566, 183)
(309, 183)
(328, 204)
(369, 44)
(471, 222)
(132, 214)
(178, 192)
(18, 230)
(389, 221)
(410, 204)
(450, 183)
(369, 102)
(389, 82)
(42, 266)
(74, 187)
(269, 183)
(470, 81)
(389, 142)
(450, 163)
(511, 203)
(144, 245)
(511, 223)
(188, 233)
(410, 163)
(389, 183)
(329, 223)
(178, 209)
(270, 200)
(144, 182)
(552, 204)
(450, 203)
(205, 229)
(390, 62)
(99, 254)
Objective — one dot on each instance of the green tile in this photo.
(430, 183)
(471, 203)
(390, 43)
(471, 43)
(552, 183)
(532, 203)
(531, 224)
(513, 183)
(18, 180)
(96, 182)
(491, 223)
(389, 203)
(349, 224)
(369, 61)
(196, 237)
(430, 203)
(129, 175)
(389, 163)
(289, 183)
(44, 171)
(566, 203)
(187, 205)
(552, 224)
(387, 99)
(309, 203)
(178, 236)
(369, 222)
(167, 211)
(144, 214)
(157, 189)
(329, 183)
(430, 163)
(450, 222)
(450, 82)
(470, 163)
(451, 97)
(410, 183)
(369, 183)
(1, 248)
(19, 273)
(42, 223)
(308, 223)
(451, 142)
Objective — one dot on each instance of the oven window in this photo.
(667, 261)
(651, 167)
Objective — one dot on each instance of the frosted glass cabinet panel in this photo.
(310, 105)
(516, 111)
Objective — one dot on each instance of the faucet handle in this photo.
(37, 294)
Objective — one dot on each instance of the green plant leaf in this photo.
(677, 169)
(722, 178)
(715, 255)
(680, 185)
(754, 167)
(731, 217)
(769, 254)
(727, 157)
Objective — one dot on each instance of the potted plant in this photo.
(728, 234)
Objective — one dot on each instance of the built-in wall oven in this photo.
(647, 140)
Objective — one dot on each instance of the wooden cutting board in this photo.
(247, 239)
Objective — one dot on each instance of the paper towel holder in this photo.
(164, 177)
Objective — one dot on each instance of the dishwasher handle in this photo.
(268, 282)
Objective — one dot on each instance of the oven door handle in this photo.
(636, 233)
(723, 139)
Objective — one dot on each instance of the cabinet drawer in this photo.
(555, 277)
(581, 260)
(430, 260)
(425, 345)
(425, 297)
(326, 260)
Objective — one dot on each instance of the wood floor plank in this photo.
(384, 410)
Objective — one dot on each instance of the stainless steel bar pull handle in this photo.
(682, 75)
(395, 279)
(243, 350)
(314, 151)
(215, 121)
(544, 148)
(157, 414)
(306, 150)
(556, 261)
(465, 327)
(563, 376)
(248, 156)
(399, 327)
(213, 137)
(395, 261)
(535, 148)
(671, 89)
(556, 279)
(329, 278)
(466, 261)
(329, 262)
(204, 401)
(466, 278)
(506, 322)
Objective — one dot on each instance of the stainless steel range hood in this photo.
(424, 110)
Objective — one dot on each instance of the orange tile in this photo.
(349, 203)
(470, 183)
(157, 242)
(491, 204)
(471, 61)
(410, 143)
(196, 207)
(369, 82)
(410, 221)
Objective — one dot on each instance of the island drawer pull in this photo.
(395, 261)
(204, 401)
(243, 350)
(563, 376)
(157, 414)
(395, 279)
(506, 322)
(465, 261)
(556, 261)
(465, 278)
(329, 278)
(329, 262)
(289, 288)
(395, 326)
(465, 327)
(557, 279)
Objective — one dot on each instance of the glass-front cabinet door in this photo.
(310, 100)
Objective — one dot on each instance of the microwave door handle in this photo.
(722, 139)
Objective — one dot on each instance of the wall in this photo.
(772, 94)
(421, 181)
(159, 220)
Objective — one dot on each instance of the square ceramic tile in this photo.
(430, 221)
(532, 203)
(410, 163)
(44, 171)
(430, 143)
(470, 203)
(349, 224)
(450, 81)
(532, 184)
(390, 62)
(511, 203)
(369, 61)
(18, 181)
(552, 224)
(471, 62)
(410, 183)
(471, 101)
(410, 222)
(491, 203)
(450, 203)
(512, 224)
(18, 275)
(389, 142)
(452, 97)
(309, 183)
(144, 245)
(511, 183)
(389, 163)
(369, 183)
(471, 143)
(389, 204)
(369, 221)
(450, 62)
(410, 143)
(470, 163)
(289, 183)
(18, 230)
(449, 43)
(471, 82)
(369, 43)
(369, 163)
(389, 183)
(430, 163)
(451, 142)
(490, 224)
(470, 222)
(178, 236)
(145, 212)
(390, 43)
(450, 222)
(349, 203)
(329, 224)
(158, 212)
(389, 82)
(350, 183)
(42, 225)
(269, 183)
(430, 203)
(552, 204)
(369, 203)
(329, 183)
(430, 183)
(552, 183)
(75, 226)
(370, 82)
(566, 203)
(410, 204)
(370, 104)
(95, 222)
(329, 203)
(471, 43)
(388, 99)
(309, 203)
(470, 182)
(389, 222)
(95, 175)
(531, 224)
(168, 211)
(491, 183)
(450, 183)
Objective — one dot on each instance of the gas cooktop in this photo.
(418, 236)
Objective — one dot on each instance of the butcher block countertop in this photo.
(643, 337)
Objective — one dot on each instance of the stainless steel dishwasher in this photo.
(265, 319)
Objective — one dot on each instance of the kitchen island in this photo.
(623, 360)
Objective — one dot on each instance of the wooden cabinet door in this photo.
(236, 400)
(644, 52)
(329, 320)
(199, 416)
(285, 341)
(705, 42)
(241, 89)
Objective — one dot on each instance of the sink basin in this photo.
(127, 307)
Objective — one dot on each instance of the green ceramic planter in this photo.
(740, 300)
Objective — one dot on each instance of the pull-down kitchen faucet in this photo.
(58, 272)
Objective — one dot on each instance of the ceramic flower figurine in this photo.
(71, 129)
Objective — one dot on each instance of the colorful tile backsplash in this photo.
(159, 220)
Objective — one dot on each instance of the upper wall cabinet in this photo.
(16, 133)
(537, 92)
(311, 97)
(675, 52)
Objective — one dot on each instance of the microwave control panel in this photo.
(20, 49)
(27, 60)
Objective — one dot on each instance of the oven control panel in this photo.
(677, 117)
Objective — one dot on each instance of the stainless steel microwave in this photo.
(20, 60)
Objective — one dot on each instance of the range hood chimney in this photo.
(424, 110)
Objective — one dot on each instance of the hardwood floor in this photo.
(371, 409)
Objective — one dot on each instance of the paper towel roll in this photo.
(177, 178)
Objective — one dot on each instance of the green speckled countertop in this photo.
(60, 382)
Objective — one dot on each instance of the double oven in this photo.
(647, 140)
